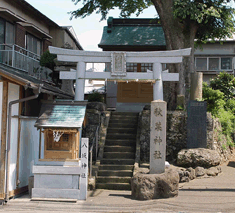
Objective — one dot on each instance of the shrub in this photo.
(95, 96)
(220, 99)
(225, 83)
(47, 60)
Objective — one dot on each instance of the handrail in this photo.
(95, 141)
(15, 45)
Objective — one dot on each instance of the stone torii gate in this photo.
(118, 62)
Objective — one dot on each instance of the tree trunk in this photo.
(178, 35)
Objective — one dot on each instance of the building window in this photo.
(137, 67)
(226, 63)
(33, 44)
(213, 63)
(7, 39)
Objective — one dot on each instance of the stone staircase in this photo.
(116, 167)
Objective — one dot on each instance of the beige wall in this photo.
(227, 48)
(61, 37)
(22, 12)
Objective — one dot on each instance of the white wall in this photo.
(29, 143)
(13, 94)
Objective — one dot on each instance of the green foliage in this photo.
(95, 96)
(213, 18)
(225, 83)
(221, 103)
(224, 147)
(214, 98)
(102, 7)
(47, 60)
(179, 107)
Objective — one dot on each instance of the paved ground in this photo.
(215, 194)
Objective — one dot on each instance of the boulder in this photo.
(154, 186)
(200, 171)
(191, 173)
(198, 157)
(213, 171)
(184, 175)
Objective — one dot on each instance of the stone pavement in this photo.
(216, 194)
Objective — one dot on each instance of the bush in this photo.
(221, 102)
(95, 96)
(47, 60)
(225, 83)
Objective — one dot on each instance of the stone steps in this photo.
(116, 166)
(119, 149)
(118, 161)
(120, 142)
(114, 186)
(113, 179)
(119, 155)
(122, 130)
(120, 136)
(117, 173)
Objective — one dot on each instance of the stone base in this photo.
(56, 182)
(154, 186)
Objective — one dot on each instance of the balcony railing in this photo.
(24, 60)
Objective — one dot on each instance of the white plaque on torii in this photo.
(118, 64)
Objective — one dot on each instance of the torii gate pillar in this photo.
(80, 81)
(157, 86)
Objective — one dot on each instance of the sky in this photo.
(88, 30)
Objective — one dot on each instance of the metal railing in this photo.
(94, 143)
(20, 58)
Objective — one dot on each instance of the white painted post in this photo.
(158, 137)
(80, 81)
(84, 169)
(157, 86)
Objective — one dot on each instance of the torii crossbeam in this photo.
(118, 62)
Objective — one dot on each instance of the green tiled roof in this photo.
(62, 114)
(133, 34)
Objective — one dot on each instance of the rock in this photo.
(198, 157)
(219, 169)
(191, 173)
(199, 171)
(91, 183)
(213, 171)
(141, 171)
(153, 186)
(184, 176)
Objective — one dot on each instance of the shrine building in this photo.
(131, 35)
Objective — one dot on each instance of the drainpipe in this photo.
(8, 147)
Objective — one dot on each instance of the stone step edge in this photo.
(118, 177)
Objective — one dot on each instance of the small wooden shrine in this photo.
(61, 123)
(60, 173)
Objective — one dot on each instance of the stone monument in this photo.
(158, 137)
